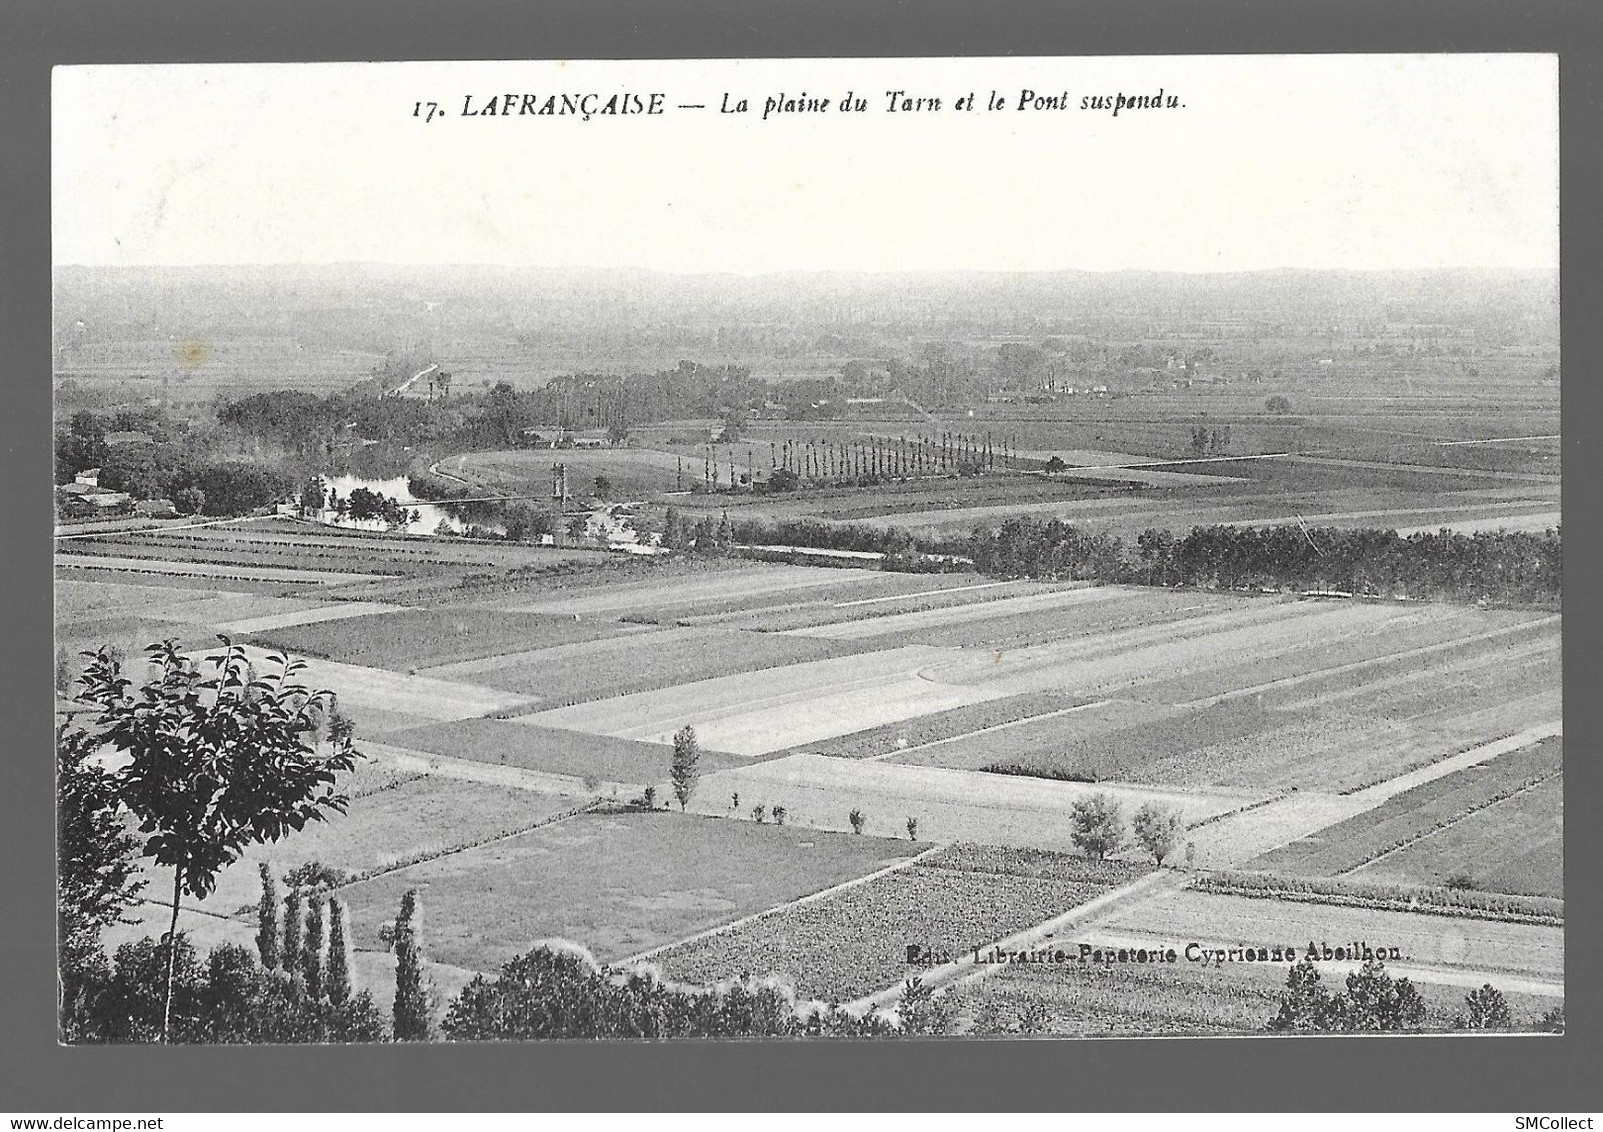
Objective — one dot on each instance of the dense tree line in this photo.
(1503, 566)
(559, 991)
(1514, 566)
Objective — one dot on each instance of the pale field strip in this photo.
(763, 618)
(800, 901)
(494, 774)
(759, 711)
(211, 570)
(716, 586)
(80, 599)
(1332, 970)
(925, 593)
(1108, 664)
(311, 616)
(950, 805)
(223, 607)
(1483, 946)
(437, 700)
(557, 656)
(955, 614)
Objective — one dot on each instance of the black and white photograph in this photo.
(816, 548)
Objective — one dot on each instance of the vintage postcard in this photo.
(808, 548)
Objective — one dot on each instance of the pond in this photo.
(430, 515)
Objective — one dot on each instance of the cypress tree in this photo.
(411, 996)
(294, 928)
(269, 920)
(314, 955)
(337, 981)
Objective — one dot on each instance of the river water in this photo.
(430, 515)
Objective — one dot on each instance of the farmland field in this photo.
(395, 822)
(1515, 845)
(854, 942)
(617, 883)
(1185, 998)
(419, 638)
(1416, 813)
(632, 660)
(549, 750)
(1450, 943)
(949, 805)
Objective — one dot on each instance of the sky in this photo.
(1352, 162)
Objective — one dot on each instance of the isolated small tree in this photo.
(1159, 830)
(1485, 1009)
(269, 920)
(912, 829)
(1055, 465)
(1098, 825)
(685, 768)
(734, 800)
(411, 991)
(780, 814)
(603, 487)
(1278, 405)
(759, 813)
(214, 764)
(858, 820)
(650, 797)
(314, 961)
(337, 982)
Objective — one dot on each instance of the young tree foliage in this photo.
(215, 763)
